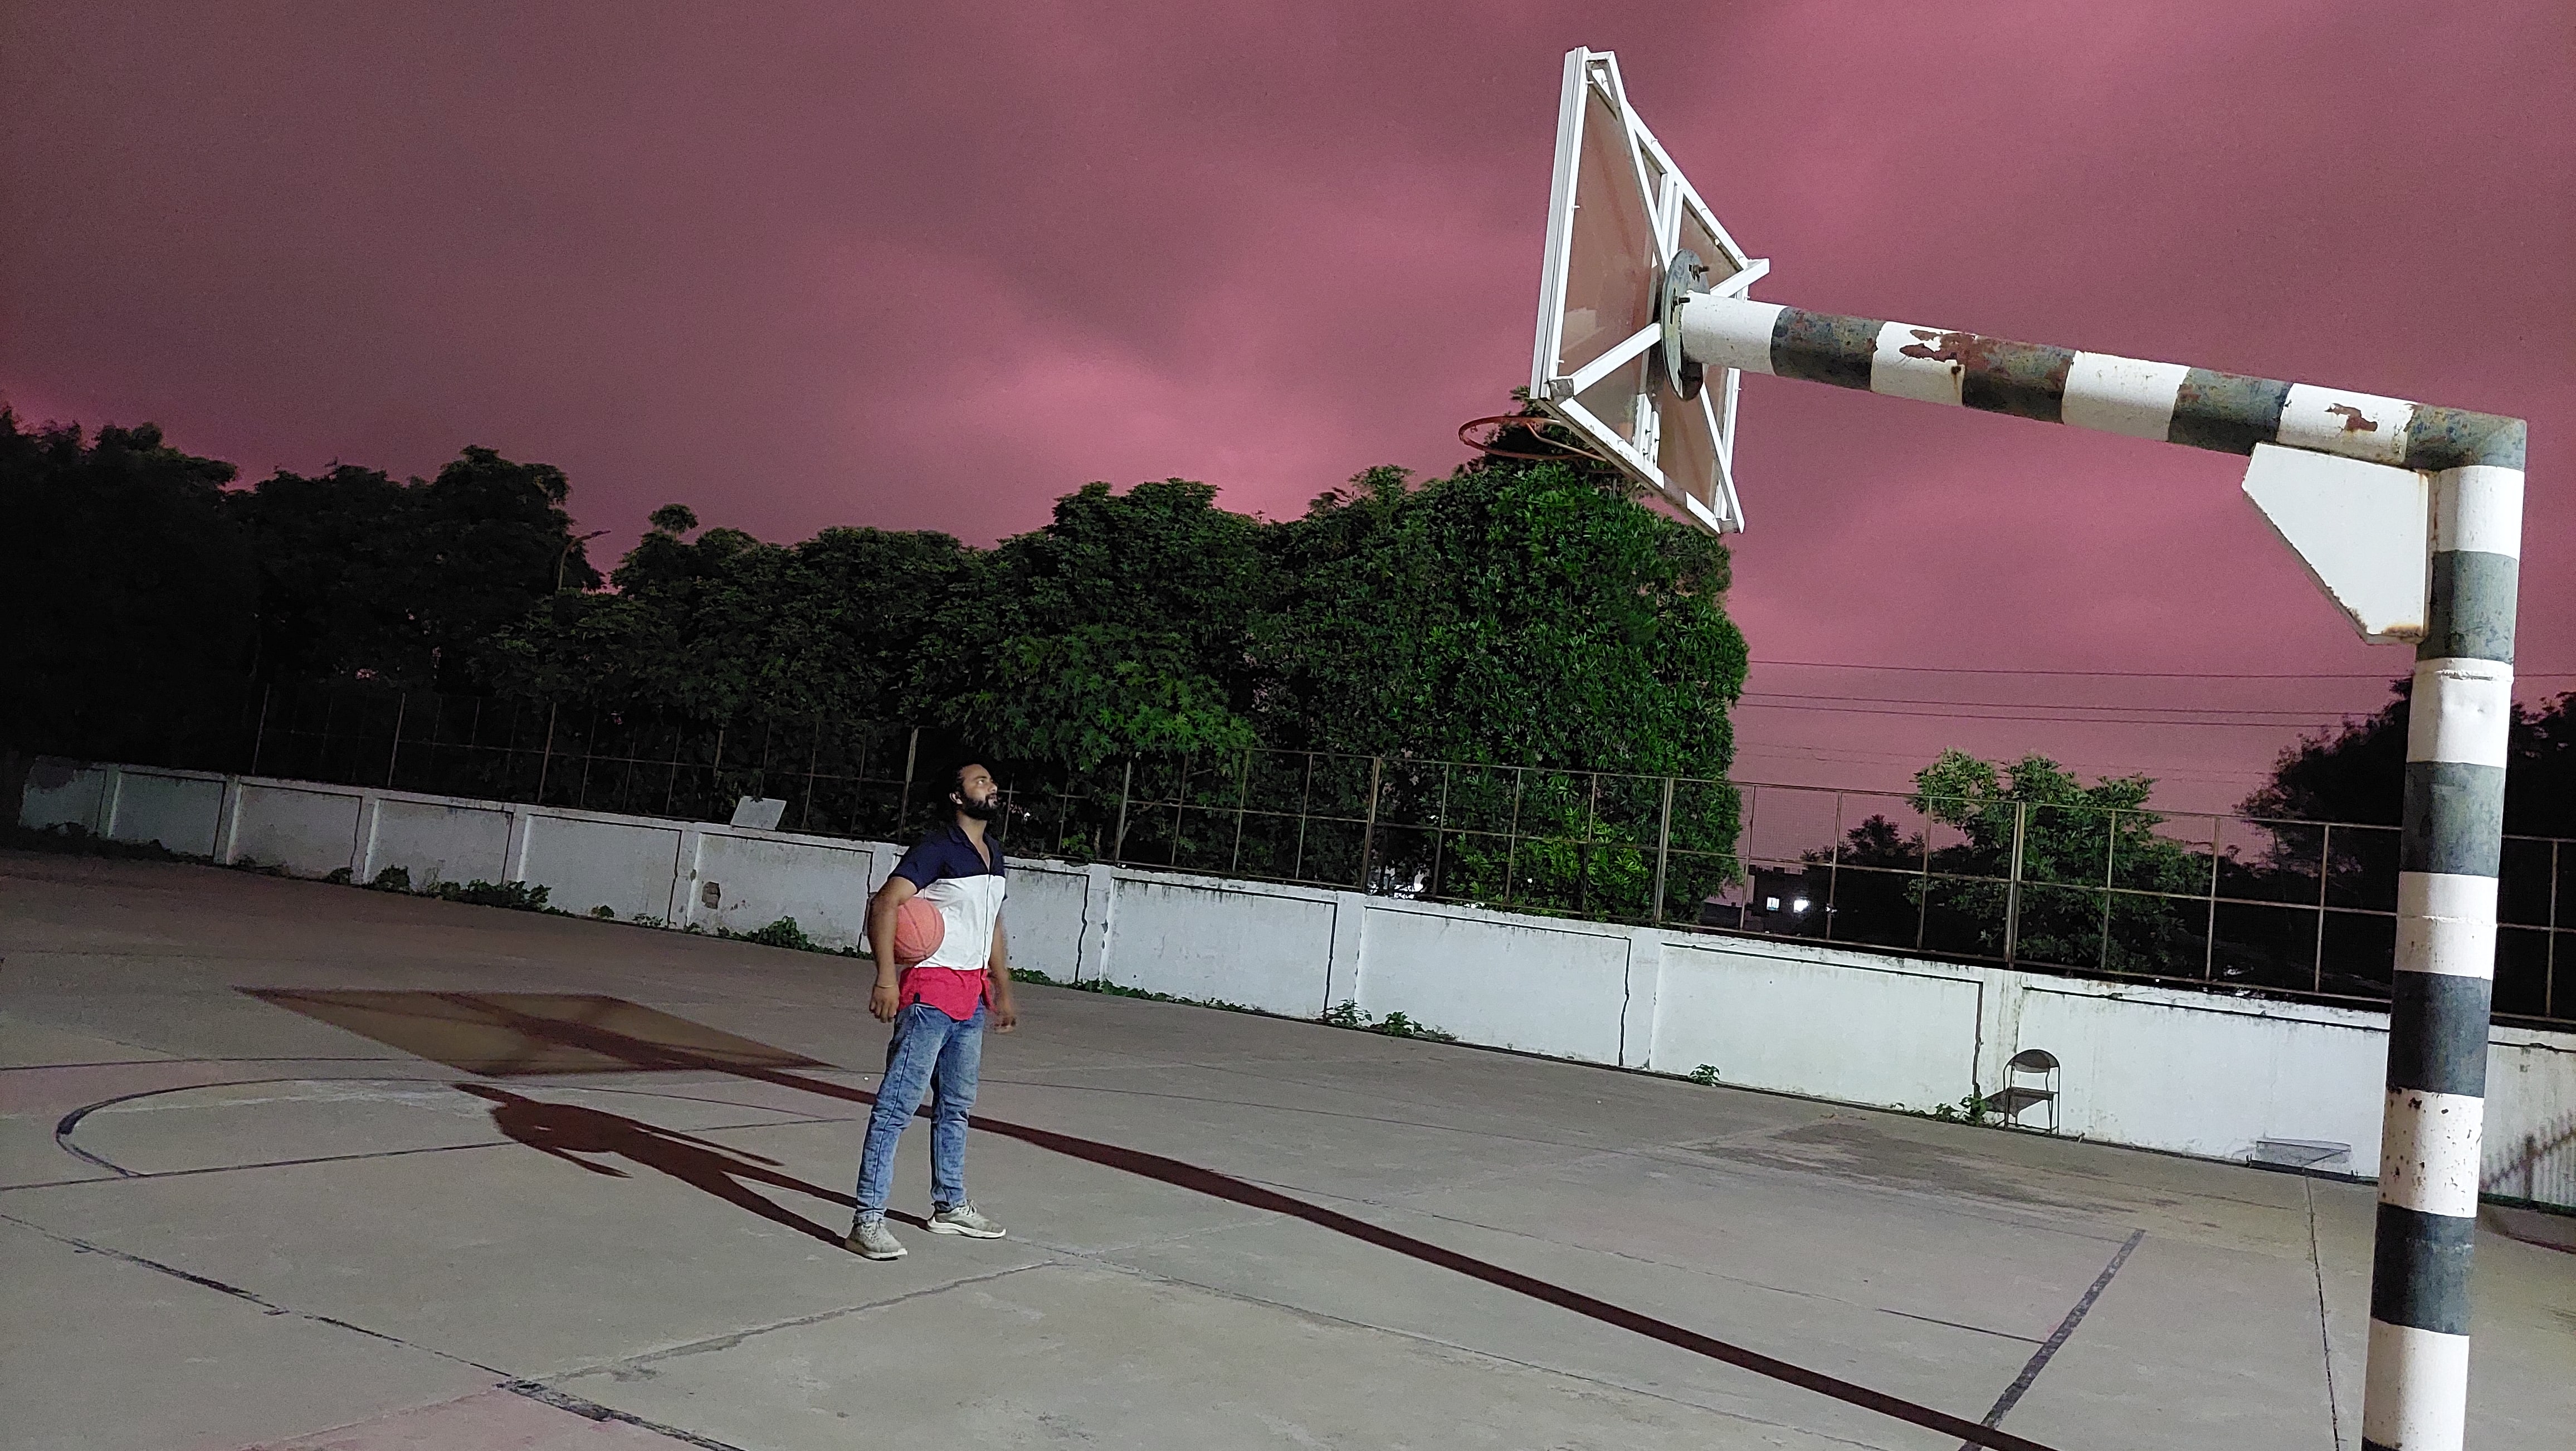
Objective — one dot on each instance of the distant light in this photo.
(1799, 906)
(1770, 904)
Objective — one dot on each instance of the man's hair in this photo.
(957, 777)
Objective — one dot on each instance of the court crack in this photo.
(731, 1339)
(267, 1305)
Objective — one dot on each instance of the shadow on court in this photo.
(514, 1030)
(572, 1133)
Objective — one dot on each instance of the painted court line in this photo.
(2039, 1359)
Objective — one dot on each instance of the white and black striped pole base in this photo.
(2416, 1387)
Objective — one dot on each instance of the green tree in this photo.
(2357, 772)
(727, 625)
(129, 595)
(2087, 855)
(1523, 616)
(1117, 628)
(410, 584)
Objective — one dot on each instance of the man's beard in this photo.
(981, 810)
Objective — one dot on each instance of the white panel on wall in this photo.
(1241, 946)
(309, 833)
(761, 879)
(177, 811)
(1796, 1022)
(59, 793)
(2162, 1071)
(584, 864)
(438, 841)
(1539, 989)
(1043, 913)
(2530, 1144)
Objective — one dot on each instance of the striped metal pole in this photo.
(2415, 1394)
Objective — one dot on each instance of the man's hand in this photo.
(885, 1000)
(1006, 1015)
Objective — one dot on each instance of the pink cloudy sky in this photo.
(813, 266)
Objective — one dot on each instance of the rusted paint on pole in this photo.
(2194, 407)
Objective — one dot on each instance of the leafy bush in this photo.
(782, 933)
(1393, 1025)
(519, 896)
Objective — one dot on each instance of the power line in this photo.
(1776, 695)
(2288, 723)
(2382, 675)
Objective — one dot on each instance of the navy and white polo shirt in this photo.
(951, 875)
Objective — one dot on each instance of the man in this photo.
(939, 1008)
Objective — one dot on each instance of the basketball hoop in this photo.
(1511, 435)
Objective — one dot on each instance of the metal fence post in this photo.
(2325, 868)
(1305, 803)
(2012, 883)
(1923, 882)
(1126, 783)
(903, 799)
(2110, 856)
(1439, 835)
(393, 754)
(715, 768)
(1368, 823)
(1744, 835)
(546, 753)
(1833, 867)
(259, 732)
(2549, 958)
(671, 773)
(813, 758)
(2209, 937)
(1583, 847)
(1663, 851)
(1242, 803)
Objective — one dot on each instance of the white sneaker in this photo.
(962, 1219)
(872, 1240)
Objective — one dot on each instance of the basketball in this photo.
(918, 931)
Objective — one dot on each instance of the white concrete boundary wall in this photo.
(2160, 1068)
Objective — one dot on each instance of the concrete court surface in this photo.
(270, 1229)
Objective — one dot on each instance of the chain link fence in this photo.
(2295, 908)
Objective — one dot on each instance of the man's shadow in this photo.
(567, 1131)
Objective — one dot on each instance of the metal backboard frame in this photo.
(1599, 366)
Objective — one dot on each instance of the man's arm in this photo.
(997, 965)
(886, 998)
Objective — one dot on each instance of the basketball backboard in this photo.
(1620, 216)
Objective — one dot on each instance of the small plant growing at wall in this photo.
(1397, 1025)
(1972, 1109)
(1393, 1025)
(1704, 1075)
(392, 879)
(647, 919)
(339, 876)
(604, 912)
(519, 896)
(782, 933)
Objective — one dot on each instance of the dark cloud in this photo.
(813, 265)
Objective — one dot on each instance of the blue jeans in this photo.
(929, 1051)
